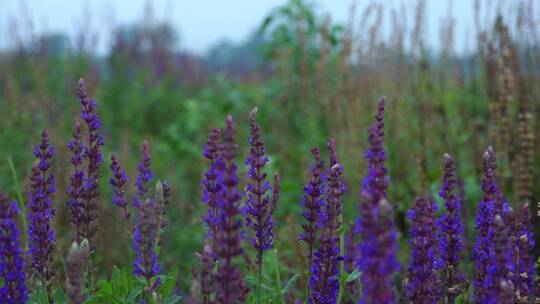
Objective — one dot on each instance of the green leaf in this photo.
(134, 294)
(172, 299)
(290, 283)
(353, 276)
(59, 296)
(119, 282)
(168, 282)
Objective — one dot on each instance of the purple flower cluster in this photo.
(377, 250)
(212, 183)
(41, 236)
(524, 260)
(424, 284)
(488, 208)
(118, 181)
(451, 233)
(324, 282)
(147, 223)
(13, 290)
(230, 287)
(83, 190)
(500, 263)
(258, 205)
(312, 202)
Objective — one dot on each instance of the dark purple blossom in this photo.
(488, 207)
(230, 287)
(451, 234)
(324, 282)
(424, 284)
(118, 181)
(41, 236)
(206, 274)
(524, 259)
(147, 224)
(258, 205)
(312, 201)
(13, 290)
(75, 187)
(377, 251)
(212, 184)
(500, 263)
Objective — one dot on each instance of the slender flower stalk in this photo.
(451, 242)
(118, 181)
(488, 207)
(230, 287)
(259, 207)
(424, 284)
(212, 184)
(41, 236)
(147, 225)
(312, 202)
(377, 251)
(324, 282)
(13, 289)
(206, 275)
(76, 265)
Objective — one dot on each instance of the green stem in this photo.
(22, 206)
(343, 277)
(259, 276)
(278, 276)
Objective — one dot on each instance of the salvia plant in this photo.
(343, 262)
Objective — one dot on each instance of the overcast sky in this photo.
(201, 23)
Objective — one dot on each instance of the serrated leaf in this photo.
(353, 276)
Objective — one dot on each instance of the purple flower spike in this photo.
(83, 191)
(500, 264)
(13, 290)
(147, 224)
(41, 236)
(118, 181)
(212, 183)
(324, 282)
(451, 233)
(524, 260)
(312, 202)
(490, 205)
(377, 250)
(258, 205)
(424, 285)
(144, 175)
(230, 287)
(75, 188)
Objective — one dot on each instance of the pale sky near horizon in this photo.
(202, 23)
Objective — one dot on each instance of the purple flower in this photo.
(13, 290)
(324, 283)
(451, 233)
(523, 246)
(488, 207)
(230, 287)
(206, 275)
(147, 224)
(118, 180)
(377, 250)
(41, 236)
(312, 201)
(144, 175)
(500, 263)
(424, 285)
(258, 205)
(84, 185)
(76, 180)
(212, 184)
